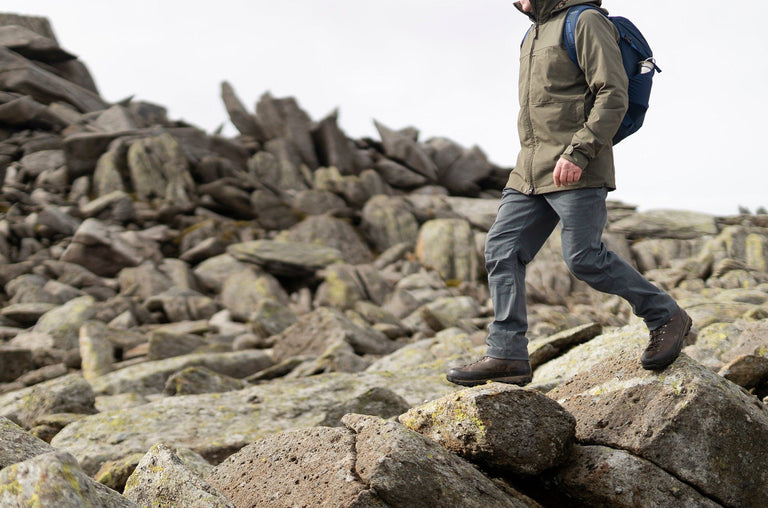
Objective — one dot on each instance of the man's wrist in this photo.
(576, 157)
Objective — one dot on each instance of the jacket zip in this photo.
(528, 109)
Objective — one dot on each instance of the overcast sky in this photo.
(447, 67)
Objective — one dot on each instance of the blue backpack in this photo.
(638, 62)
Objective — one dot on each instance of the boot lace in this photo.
(657, 338)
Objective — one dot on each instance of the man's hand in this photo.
(566, 172)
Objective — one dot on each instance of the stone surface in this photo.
(687, 420)
(68, 394)
(18, 445)
(161, 478)
(447, 245)
(499, 426)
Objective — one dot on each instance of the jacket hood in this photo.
(544, 9)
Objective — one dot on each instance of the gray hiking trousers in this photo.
(522, 225)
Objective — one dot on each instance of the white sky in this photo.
(447, 67)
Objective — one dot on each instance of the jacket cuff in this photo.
(575, 157)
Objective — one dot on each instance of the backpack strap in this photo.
(570, 27)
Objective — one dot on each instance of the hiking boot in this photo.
(516, 372)
(666, 342)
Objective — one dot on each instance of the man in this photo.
(568, 116)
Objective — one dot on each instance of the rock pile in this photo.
(265, 320)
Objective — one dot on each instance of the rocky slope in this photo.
(265, 320)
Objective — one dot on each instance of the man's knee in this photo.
(584, 263)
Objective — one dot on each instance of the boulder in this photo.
(242, 293)
(55, 479)
(244, 121)
(68, 394)
(448, 246)
(405, 149)
(546, 348)
(162, 478)
(499, 426)
(333, 147)
(388, 221)
(697, 426)
(15, 362)
(331, 232)
(405, 468)
(195, 380)
(284, 118)
(102, 249)
(159, 169)
(287, 259)
(665, 224)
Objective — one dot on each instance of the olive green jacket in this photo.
(566, 111)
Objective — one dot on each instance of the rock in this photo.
(398, 175)
(63, 323)
(721, 343)
(388, 221)
(151, 377)
(279, 169)
(481, 213)
(270, 317)
(319, 202)
(602, 476)
(214, 272)
(68, 394)
(499, 426)
(161, 476)
(55, 479)
(18, 445)
(285, 258)
(21, 76)
(308, 467)
(546, 348)
(665, 224)
(101, 249)
(96, 351)
(748, 371)
(115, 473)
(380, 402)
(401, 148)
(159, 169)
(687, 420)
(331, 232)
(15, 362)
(284, 118)
(244, 121)
(314, 332)
(464, 175)
(169, 345)
(195, 380)
(333, 147)
(415, 290)
(244, 291)
(180, 305)
(407, 469)
(450, 311)
(448, 246)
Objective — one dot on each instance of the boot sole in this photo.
(678, 348)
(512, 380)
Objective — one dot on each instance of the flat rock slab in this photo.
(288, 259)
(513, 429)
(546, 348)
(699, 427)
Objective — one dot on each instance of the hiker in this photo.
(567, 119)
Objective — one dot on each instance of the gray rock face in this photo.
(69, 394)
(285, 258)
(162, 478)
(448, 246)
(687, 420)
(515, 430)
(18, 445)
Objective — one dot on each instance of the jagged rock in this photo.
(463, 176)
(516, 430)
(721, 343)
(388, 221)
(288, 259)
(104, 250)
(407, 469)
(314, 332)
(69, 394)
(377, 401)
(748, 371)
(182, 305)
(17, 445)
(398, 175)
(19, 75)
(150, 377)
(115, 473)
(271, 317)
(448, 246)
(692, 423)
(169, 345)
(25, 112)
(244, 121)
(339, 356)
(279, 169)
(284, 118)
(402, 148)
(546, 348)
(330, 232)
(602, 476)
(481, 213)
(319, 202)
(333, 147)
(55, 479)
(162, 477)
(63, 323)
(195, 380)
(415, 290)
(214, 272)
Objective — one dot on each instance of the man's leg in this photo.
(583, 215)
(522, 225)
